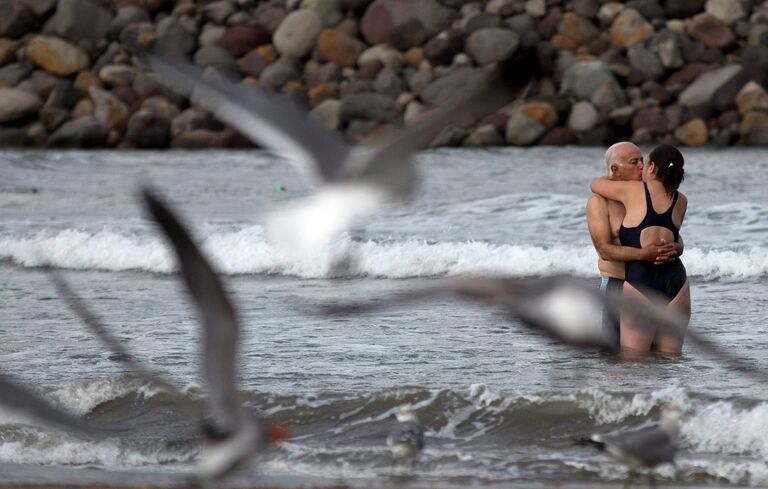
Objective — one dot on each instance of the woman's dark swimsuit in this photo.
(668, 279)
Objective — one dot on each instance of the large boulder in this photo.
(652, 120)
(328, 10)
(728, 11)
(665, 44)
(681, 9)
(12, 74)
(574, 31)
(583, 117)
(692, 133)
(582, 78)
(56, 56)
(7, 51)
(84, 132)
(16, 18)
(404, 23)
(108, 108)
(441, 49)
(17, 105)
(523, 130)
(215, 57)
(645, 62)
(327, 114)
(752, 97)
(703, 89)
(491, 45)
(297, 33)
(78, 20)
(485, 135)
(754, 128)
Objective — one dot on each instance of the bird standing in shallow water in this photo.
(406, 438)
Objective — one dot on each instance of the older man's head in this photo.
(624, 161)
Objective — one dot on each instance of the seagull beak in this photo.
(276, 431)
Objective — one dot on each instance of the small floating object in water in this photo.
(280, 188)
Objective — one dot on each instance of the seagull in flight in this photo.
(233, 434)
(354, 180)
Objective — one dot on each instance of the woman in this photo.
(655, 211)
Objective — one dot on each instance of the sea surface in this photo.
(499, 403)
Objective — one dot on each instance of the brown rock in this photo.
(108, 108)
(85, 80)
(541, 112)
(629, 28)
(575, 29)
(202, 139)
(559, 136)
(339, 47)
(754, 128)
(692, 133)
(56, 56)
(369, 70)
(652, 120)
(7, 51)
(404, 23)
(752, 97)
(241, 39)
(414, 56)
(321, 92)
(16, 18)
(687, 74)
(252, 63)
(710, 31)
(18, 105)
(84, 107)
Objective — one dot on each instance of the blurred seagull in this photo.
(23, 401)
(561, 307)
(645, 445)
(233, 434)
(356, 180)
(406, 438)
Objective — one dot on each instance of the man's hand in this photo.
(667, 252)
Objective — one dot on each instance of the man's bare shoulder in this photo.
(596, 203)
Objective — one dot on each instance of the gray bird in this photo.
(355, 180)
(233, 434)
(27, 403)
(406, 438)
(646, 445)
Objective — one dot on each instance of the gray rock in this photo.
(358, 130)
(418, 81)
(17, 105)
(441, 49)
(442, 91)
(84, 132)
(388, 83)
(218, 11)
(586, 8)
(194, 118)
(729, 11)
(758, 34)
(666, 45)
(491, 45)
(40, 83)
(135, 37)
(108, 56)
(149, 130)
(483, 20)
(16, 19)
(64, 95)
(521, 24)
(646, 62)
(328, 10)
(278, 73)
(117, 75)
(485, 135)
(583, 117)
(298, 32)
(608, 96)
(681, 9)
(40, 7)
(12, 137)
(582, 78)
(327, 113)
(12, 74)
(173, 40)
(53, 117)
(126, 15)
(522, 130)
(536, 8)
(622, 116)
(449, 136)
(502, 7)
(215, 57)
(703, 89)
(367, 106)
(649, 9)
(404, 23)
(107, 108)
(73, 15)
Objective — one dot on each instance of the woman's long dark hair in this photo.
(669, 166)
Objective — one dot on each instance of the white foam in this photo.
(53, 449)
(246, 251)
(722, 427)
(606, 407)
(81, 397)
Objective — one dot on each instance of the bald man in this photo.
(623, 161)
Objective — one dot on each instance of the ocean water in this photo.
(499, 403)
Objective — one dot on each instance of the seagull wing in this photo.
(221, 327)
(95, 325)
(28, 403)
(489, 92)
(272, 121)
(651, 445)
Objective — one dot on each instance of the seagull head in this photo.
(405, 413)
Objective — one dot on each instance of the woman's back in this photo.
(652, 215)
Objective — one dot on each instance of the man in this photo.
(623, 161)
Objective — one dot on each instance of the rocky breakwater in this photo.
(687, 72)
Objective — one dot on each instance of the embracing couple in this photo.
(634, 219)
